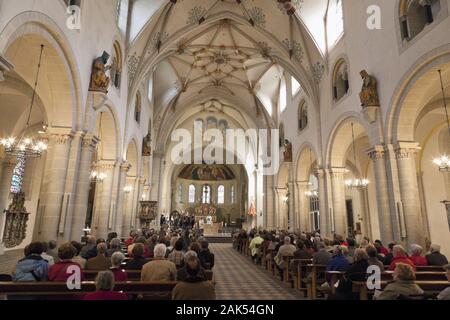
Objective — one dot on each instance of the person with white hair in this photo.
(100, 262)
(400, 256)
(286, 250)
(104, 284)
(116, 267)
(435, 257)
(159, 269)
(416, 255)
(114, 246)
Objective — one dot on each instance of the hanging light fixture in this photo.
(97, 176)
(25, 146)
(443, 162)
(356, 183)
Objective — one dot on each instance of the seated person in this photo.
(78, 259)
(33, 267)
(58, 272)
(46, 256)
(101, 261)
(435, 258)
(114, 246)
(90, 245)
(416, 256)
(323, 256)
(400, 256)
(116, 267)
(177, 255)
(445, 294)
(339, 262)
(255, 246)
(355, 272)
(205, 256)
(138, 260)
(387, 259)
(104, 284)
(301, 252)
(159, 269)
(403, 284)
(373, 257)
(193, 284)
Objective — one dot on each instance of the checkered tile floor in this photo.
(237, 278)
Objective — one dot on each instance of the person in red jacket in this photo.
(416, 255)
(62, 270)
(400, 256)
(104, 284)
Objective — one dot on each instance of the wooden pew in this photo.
(133, 275)
(314, 271)
(430, 287)
(59, 289)
(298, 269)
(387, 276)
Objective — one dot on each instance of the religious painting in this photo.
(148, 210)
(207, 173)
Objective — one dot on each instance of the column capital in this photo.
(337, 172)
(61, 135)
(302, 183)
(125, 166)
(377, 152)
(90, 141)
(105, 164)
(406, 150)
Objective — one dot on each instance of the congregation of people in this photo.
(164, 256)
(350, 256)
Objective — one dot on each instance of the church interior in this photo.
(347, 101)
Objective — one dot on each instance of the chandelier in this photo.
(443, 162)
(356, 183)
(25, 146)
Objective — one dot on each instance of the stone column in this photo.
(325, 224)
(412, 227)
(277, 213)
(121, 227)
(365, 214)
(303, 205)
(339, 208)
(88, 147)
(103, 207)
(291, 208)
(53, 185)
(386, 218)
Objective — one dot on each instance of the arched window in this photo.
(191, 193)
(221, 194)
(180, 193)
(302, 116)
(122, 14)
(232, 195)
(116, 66)
(206, 194)
(137, 108)
(341, 84)
(281, 131)
(415, 15)
(335, 22)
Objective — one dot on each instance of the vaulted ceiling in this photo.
(222, 48)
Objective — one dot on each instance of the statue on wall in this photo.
(147, 146)
(99, 80)
(287, 151)
(369, 91)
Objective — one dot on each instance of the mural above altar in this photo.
(206, 210)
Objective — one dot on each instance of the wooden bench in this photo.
(430, 287)
(133, 275)
(298, 271)
(60, 290)
(388, 276)
(315, 272)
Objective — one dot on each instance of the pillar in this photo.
(88, 147)
(291, 207)
(325, 223)
(53, 194)
(303, 206)
(411, 222)
(122, 228)
(338, 196)
(103, 206)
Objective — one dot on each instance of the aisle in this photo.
(237, 278)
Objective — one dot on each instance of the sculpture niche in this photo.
(287, 151)
(99, 80)
(16, 221)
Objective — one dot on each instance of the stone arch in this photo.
(42, 26)
(304, 164)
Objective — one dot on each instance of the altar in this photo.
(207, 219)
